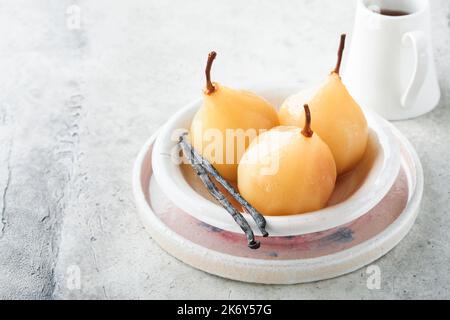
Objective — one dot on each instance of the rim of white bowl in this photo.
(171, 180)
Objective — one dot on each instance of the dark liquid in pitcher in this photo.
(393, 13)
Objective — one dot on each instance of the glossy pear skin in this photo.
(224, 109)
(337, 119)
(303, 181)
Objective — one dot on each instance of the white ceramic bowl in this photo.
(376, 184)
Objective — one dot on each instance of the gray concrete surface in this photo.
(76, 104)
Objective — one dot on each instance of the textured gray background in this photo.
(76, 105)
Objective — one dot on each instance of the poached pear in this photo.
(287, 171)
(338, 119)
(227, 122)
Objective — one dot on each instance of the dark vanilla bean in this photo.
(257, 217)
(212, 188)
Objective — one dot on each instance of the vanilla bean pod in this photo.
(204, 177)
(258, 217)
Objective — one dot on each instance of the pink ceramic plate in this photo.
(282, 260)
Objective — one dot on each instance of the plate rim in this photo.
(292, 271)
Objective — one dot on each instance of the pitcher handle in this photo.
(418, 41)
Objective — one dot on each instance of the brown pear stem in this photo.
(209, 85)
(337, 69)
(307, 131)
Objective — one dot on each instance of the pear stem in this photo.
(209, 85)
(307, 131)
(337, 69)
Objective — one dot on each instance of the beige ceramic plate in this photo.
(281, 260)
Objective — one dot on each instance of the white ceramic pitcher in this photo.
(390, 67)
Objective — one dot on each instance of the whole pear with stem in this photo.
(338, 119)
(287, 171)
(227, 122)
